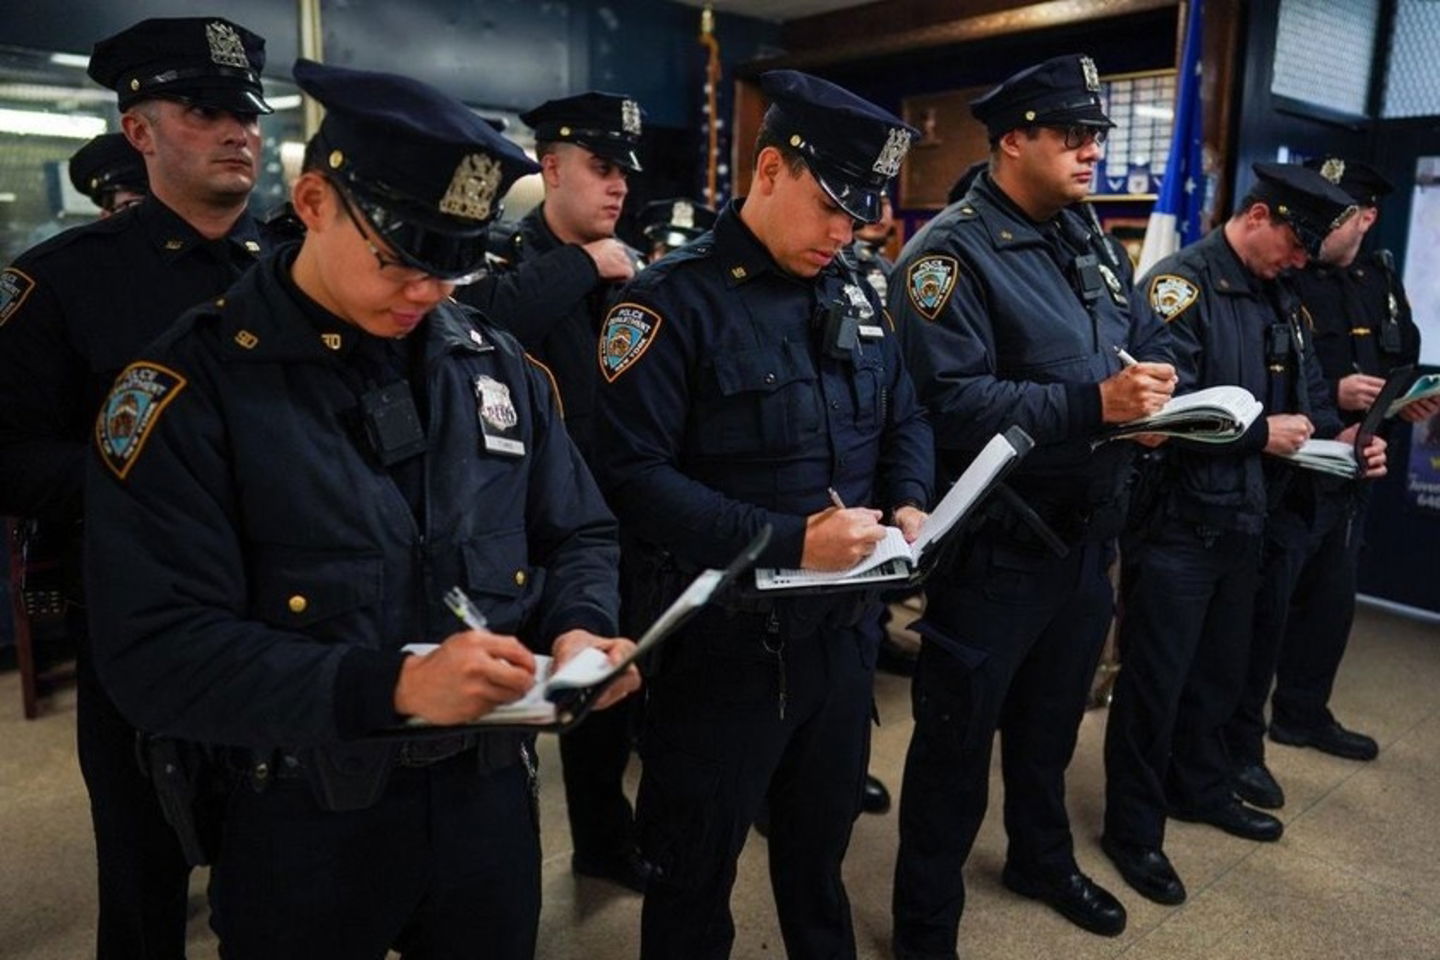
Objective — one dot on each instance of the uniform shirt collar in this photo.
(1005, 223)
(536, 233)
(1231, 275)
(174, 237)
(741, 254)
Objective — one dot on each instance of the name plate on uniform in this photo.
(871, 331)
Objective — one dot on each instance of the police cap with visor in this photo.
(1310, 204)
(1061, 92)
(675, 222)
(106, 164)
(207, 61)
(606, 124)
(852, 147)
(1362, 182)
(424, 171)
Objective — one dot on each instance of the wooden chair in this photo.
(37, 606)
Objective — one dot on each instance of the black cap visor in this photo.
(1310, 232)
(616, 151)
(206, 91)
(430, 242)
(860, 201)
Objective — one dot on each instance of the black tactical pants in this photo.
(716, 745)
(1189, 597)
(1011, 642)
(445, 866)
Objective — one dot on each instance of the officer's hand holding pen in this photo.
(1357, 391)
(616, 649)
(467, 676)
(839, 536)
(1138, 390)
(1287, 432)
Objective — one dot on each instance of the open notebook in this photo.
(894, 559)
(1425, 386)
(1325, 456)
(1213, 415)
(560, 699)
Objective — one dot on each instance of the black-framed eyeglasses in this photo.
(1078, 135)
(396, 268)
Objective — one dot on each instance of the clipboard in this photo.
(573, 704)
(1397, 383)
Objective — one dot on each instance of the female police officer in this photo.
(285, 485)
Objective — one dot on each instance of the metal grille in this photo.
(1412, 85)
(1323, 52)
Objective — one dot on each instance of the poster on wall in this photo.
(1422, 258)
(1422, 475)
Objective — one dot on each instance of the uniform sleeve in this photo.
(644, 408)
(531, 296)
(43, 389)
(1323, 412)
(907, 454)
(951, 354)
(168, 588)
(570, 530)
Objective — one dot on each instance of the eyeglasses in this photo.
(396, 270)
(1078, 135)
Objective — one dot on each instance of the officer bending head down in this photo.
(1283, 221)
(285, 486)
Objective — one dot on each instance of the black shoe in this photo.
(1239, 820)
(1074, 896)
(1147, 869)
(628, 869)
(1328, 738)
(901, 952)
(875, 798)
(1254, 784)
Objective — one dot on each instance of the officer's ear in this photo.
(769, 165)
(138, 125)
(1009, 142)
(314, 200)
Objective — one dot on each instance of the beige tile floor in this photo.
(1356, 876)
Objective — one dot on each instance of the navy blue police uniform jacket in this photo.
(76, 309)
(551, 297)
(254, 569)
(1218, 314)
(1359, 319)
(996, 335)
(720, 411)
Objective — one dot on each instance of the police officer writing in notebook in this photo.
(1011, 315)
(748, 376)
(110, 172)
(73, 311)
(1188, 608)
(550, 283)
(1359, 324)
(284, 486)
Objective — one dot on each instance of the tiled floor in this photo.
(1357, 874)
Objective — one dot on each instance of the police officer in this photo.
(1189, 604)
(670, 224)
(1360, 325)
(1010, 315)
(552, 278)
(751, 378)
(73, 311)
(110, 172)
(334, 444)
(867, 253)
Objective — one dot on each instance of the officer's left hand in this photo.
(909, 519)
(571, 642)
(1374, 452)
(1420, 410)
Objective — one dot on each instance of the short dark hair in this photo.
(1252, 198)
(543, 148)
(771, 136)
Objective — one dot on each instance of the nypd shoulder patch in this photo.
(629, 331)
(140, 394)
(929, 282)
(15, 286)
(1170, 295)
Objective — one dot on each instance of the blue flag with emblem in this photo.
(1175, 221)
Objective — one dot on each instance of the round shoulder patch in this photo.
(929, 281)
(1171, 295)
(629, 331)
(15, 286)
(140, 394)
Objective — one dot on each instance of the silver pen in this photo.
(1125, 358)
(464, 608)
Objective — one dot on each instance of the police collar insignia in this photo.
(1333, 170)
(630, 117)
(629, 331)
(472, 189)
(226, 47)
(682, 215)
(1092, 76)
(857, 299)
(1171, 295)
(498, 419)
(930, 281)
(141, 393)
(14, 288)
(897, 144)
